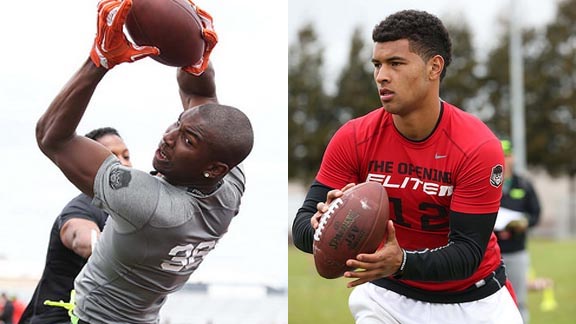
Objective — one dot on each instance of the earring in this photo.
(206, 175)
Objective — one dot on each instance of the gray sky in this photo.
(44, 42)
(336, 20)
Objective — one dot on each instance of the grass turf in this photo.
(315, 300)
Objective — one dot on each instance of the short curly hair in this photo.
(425, 32)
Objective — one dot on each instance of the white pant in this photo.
(371, 304)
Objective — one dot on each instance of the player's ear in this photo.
(435, 67)
(218, 169)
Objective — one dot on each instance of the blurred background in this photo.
(513, 66)
(44, 43)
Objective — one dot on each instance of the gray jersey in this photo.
(156, 236)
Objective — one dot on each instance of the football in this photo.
(354, 223)
(173, 26)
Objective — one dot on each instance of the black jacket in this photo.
(518, 194)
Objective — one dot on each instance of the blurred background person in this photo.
(19, 307)
(6, 309)
(71, 243)
(518, 195)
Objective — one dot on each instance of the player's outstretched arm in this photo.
(77, 156)
(196, 82)
(196, 90)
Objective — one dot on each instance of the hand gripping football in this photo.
(354, 223)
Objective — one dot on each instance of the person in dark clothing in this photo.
(71, 243)
(518, 195)
(6, 309)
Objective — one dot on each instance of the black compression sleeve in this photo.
(460, 258)
(302, 230)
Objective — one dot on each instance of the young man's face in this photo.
(115, 144)
(184, 153)
(402, 77)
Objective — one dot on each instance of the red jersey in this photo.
(457, 168)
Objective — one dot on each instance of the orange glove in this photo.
(111, 47)
(210, 40)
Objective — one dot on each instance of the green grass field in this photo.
(314, 300)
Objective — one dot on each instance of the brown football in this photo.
(171, 25)
(354, 223)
